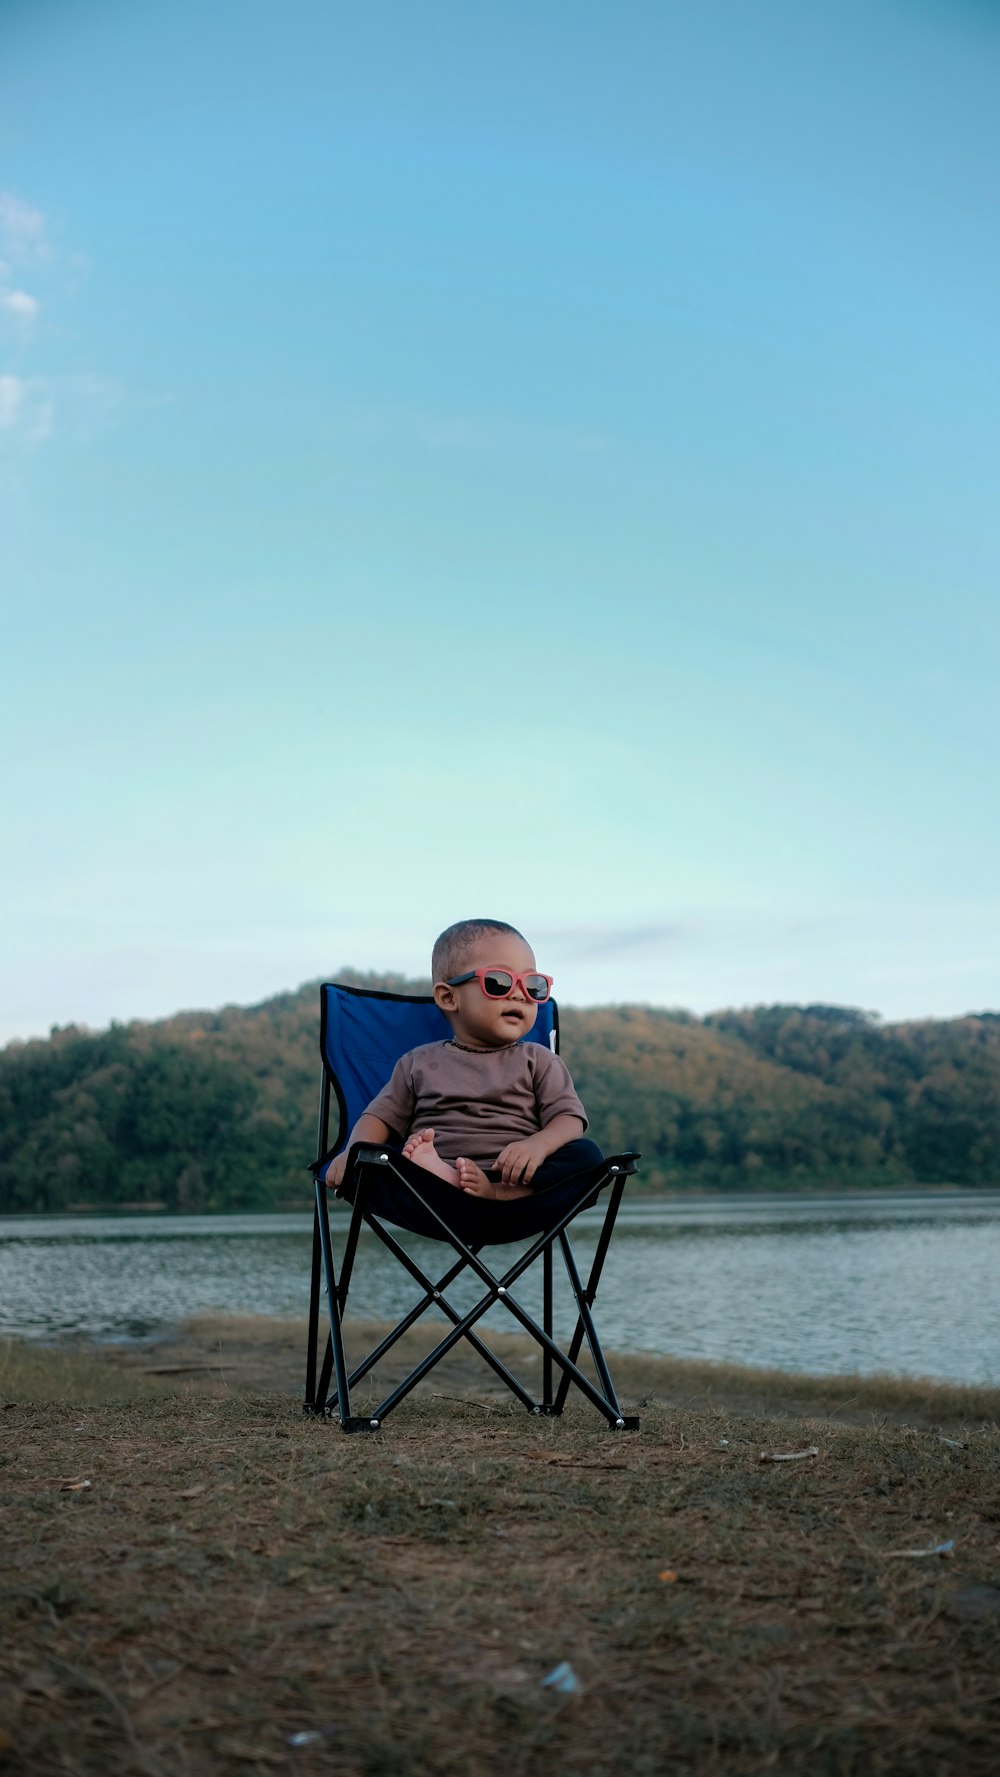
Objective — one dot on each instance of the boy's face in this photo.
(485, 1023)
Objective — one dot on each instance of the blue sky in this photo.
(537, 461)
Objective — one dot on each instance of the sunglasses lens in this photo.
(497, 983)
(537, 986)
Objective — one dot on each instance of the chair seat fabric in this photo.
(363, 1033)
(477, 1221)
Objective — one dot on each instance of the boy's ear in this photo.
(444, 996)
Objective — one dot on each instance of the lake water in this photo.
(906, 1285)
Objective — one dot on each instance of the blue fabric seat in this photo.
(363, 1032)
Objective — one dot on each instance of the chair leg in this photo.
(318, 1400)
(585, 1301)
(309, 1404)
(335, 1347)
(547, 1324)
(586, 1323)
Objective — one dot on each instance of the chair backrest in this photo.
(363, 1033)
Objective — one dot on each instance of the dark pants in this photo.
(561, 1181)
(577, 1156)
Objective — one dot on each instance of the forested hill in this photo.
(217, 1110)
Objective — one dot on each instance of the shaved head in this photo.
(455, 944)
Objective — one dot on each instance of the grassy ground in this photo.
(195, 1575)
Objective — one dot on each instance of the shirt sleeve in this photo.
(396, 1102)
(555, 1094)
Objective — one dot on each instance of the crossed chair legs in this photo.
(365, 1160)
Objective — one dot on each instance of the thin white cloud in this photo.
(596, 941)
(32, 408)
(23, 307)
(23, 229)
(36, 399)
(24, 413)
(27, 407)
(12, 390)
(446, 431)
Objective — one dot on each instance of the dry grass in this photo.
(260, 1353)
(33, 1372)
(236, 1575)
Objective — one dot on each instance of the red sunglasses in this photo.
(499, 984)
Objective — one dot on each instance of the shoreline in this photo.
(770, 1193)
(267, 1354)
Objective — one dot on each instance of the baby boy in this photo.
(490, 1114)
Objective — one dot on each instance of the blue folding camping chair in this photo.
(362, 1035)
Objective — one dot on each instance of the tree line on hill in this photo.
(216, 1111)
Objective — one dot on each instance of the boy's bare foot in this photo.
(473, 1179)
(421, 1150)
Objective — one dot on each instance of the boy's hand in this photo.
(518, 1162)
(335, 1172)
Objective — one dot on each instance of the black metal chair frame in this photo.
(333, 1278)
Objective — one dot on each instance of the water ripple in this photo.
(904, 1285)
